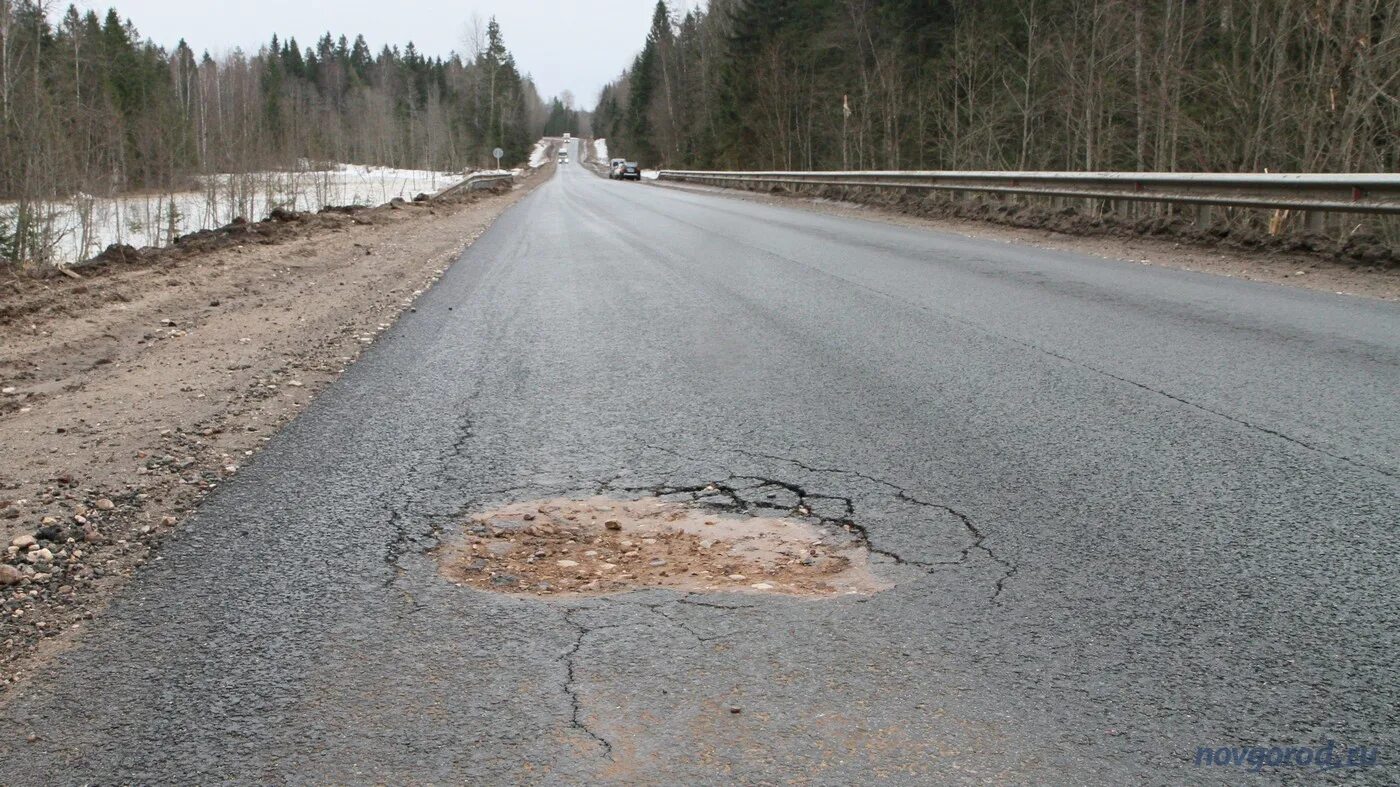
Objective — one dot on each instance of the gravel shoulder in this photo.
(1307, 271)
(132, 393)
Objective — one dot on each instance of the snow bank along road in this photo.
(1130, 512)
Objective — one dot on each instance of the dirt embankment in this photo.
(1360, 248)
(132, 392)
(1363, 264)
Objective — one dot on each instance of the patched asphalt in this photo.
(1130, 511)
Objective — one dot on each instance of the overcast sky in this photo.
(575, 45)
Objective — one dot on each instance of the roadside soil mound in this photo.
(23, 292)
(1362, 248)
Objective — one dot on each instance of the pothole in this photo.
(600, 546)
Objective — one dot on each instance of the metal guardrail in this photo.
(1361, 193)
(480, 180)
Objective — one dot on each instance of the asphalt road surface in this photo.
(1130, 511)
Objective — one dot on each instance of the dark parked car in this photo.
(630, 171)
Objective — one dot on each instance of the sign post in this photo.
(498, 153)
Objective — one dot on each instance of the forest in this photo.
(88, 106)
(1129, 85)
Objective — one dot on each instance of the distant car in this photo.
(630, 171)
(563, 156)
(615, 168)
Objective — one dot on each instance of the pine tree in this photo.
(91, 106)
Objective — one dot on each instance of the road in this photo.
(1130, 512)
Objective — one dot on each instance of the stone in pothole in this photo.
(599, 546)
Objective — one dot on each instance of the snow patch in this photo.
(540, 155)
(82, 226)
(600, 150)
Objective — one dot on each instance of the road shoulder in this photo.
(1305, 271)
(134, 392)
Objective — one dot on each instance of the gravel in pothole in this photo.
(602, 545)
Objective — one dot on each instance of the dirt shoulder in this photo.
(1309, 271)
(132, 393)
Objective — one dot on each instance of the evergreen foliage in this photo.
(87, 105)
(1170, 85)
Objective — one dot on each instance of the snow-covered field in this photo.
(83, 226)
(600, 151)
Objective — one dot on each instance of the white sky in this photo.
(575, 45)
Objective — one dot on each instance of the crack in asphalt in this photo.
(607, 484)
(848, 522)
(705, 495)
(569, 657)
(694, 600)
(741, 493)
(394, 548)
(1231, 418)
(978, 537)
(463, 431)
(974, 325)
(466, 431)
(571, 690)
(744, 494)
(659, 608)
